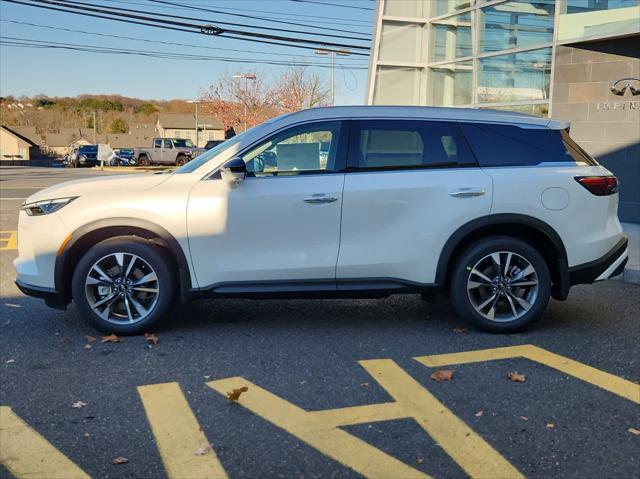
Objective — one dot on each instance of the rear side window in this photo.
(399, 144)
(508, 145)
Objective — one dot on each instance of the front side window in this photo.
(166, 144)
(399, 144)
(300, 150)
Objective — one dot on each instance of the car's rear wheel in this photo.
(123, 285)
(181, 160)
(501, 284)
(143, 160)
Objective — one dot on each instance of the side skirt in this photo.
(319, 289)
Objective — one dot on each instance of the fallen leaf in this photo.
(151, 338)
(235, 394)
(87, 346)
(442, 375)
(419, 460)
(634, 431)
(550, 425)
(203, 450)
(78, 404)
(364, 385)
(460, 330)
(517, 378)
(524, 418)
(120, 460)
(9, 361)
(112, 338)
(90, 339)
(479, 413)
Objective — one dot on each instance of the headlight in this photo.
(38, 208)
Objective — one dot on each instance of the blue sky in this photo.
(54, 72)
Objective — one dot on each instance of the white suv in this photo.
(502, 210)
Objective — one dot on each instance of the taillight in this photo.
(599, 185)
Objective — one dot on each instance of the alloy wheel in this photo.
(122, 288)
(502, 286)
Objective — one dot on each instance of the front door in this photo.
(168, 156)
(279, 229)
(410, 185)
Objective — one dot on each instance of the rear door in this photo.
(409, 186)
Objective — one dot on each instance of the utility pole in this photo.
(196, 103)
(247, 77)
(333, 54)
(94, 127)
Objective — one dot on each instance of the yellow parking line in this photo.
(313, 430)
(607, 381)
(468, 449)
(10, 240)
(26, 454)
(184, 448)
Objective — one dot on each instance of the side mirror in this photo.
(234, 171)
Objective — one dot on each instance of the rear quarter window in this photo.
(509, 145)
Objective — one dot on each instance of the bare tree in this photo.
(298, 89)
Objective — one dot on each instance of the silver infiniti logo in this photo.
(621, 86)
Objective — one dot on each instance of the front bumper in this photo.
(52, 298)
(610, 265)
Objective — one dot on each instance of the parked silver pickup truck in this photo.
(167, 151)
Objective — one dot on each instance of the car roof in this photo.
(423, 113)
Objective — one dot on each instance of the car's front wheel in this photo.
(501, 284)
(123, 285)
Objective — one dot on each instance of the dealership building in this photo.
(576, 60)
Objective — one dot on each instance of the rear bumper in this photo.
(610, 265)
(51, 297)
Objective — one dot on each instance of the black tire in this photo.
(155, 259)
(181, 160)
(462, 298)
(143, 160)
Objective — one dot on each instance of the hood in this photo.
(97, 186)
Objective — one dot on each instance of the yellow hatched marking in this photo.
(607, 381)
(182, 445)
(320, 429)
(313, 430)
(464, 446)
(8, 240)
(26, 454)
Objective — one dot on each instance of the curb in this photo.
(124, 169)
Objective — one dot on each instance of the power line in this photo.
(71, 30)
(43, 44)
(90, 6)
(254, 17)
(67, 7)
(296, 15)
(334, 5)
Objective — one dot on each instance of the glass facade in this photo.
(515, 25)
(483, 53)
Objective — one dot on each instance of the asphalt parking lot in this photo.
(334, 388)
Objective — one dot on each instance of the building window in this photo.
(516, 25)
(397, 86)
(442, 7)
(537, 109)
(521, 76)
(451, 38)
(402, 8)
(450, 84)
(401, 42)
(600, 18)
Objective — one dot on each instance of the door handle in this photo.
(320, 199)
(467, 193)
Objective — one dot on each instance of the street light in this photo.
(196, 103)
(246, 76)
(333, 54)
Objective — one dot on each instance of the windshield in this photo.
(89, 149)
(126, 151)
(182, 143)
(212, 153)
